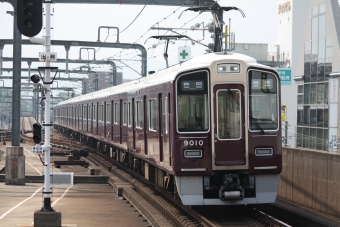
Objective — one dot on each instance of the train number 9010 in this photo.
(193, 142)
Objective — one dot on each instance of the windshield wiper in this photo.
(257, 125)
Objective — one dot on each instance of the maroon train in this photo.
(208, 130)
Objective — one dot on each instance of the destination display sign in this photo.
(192, 85)
(262, 84)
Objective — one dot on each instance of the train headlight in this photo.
(228, 68)
(193, 153)
(263, 151)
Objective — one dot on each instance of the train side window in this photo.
(125, 113)
(117, 113)
(108, 112)
(152, 114)
(95, 112)
(90, 112)
(100, 113)
(129, 114)
(139, 114)
(84, 112)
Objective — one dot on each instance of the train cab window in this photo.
(193, 112)
(117, 113)
(263, 101)
(108, 112)
(125, 113)
(139, 114)
(152, 114)
(228, 114)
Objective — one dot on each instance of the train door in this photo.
(130, 126)
(82, 116)
(73, 110)
(77, 117)
(167, 127)
(160, 126)
(133, 125)
(79, 108)
(90, 118)
(112, 119)
(145, 125)
(86, 116)
(104, 118)
(229, 125)
(95, 118)
(120, 122)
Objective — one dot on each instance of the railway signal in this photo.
(37, 133)
(29, 17)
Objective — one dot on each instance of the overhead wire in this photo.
(165, 18)
(124, 28)
(168, 31)
(133, 20)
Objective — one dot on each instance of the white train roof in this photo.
(168, 74)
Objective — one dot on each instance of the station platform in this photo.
(80, 204)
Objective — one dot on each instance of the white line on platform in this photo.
(62, 196)
(36, 157)
(30, 152)
(10, 210)
(56, 169)
(34, 168)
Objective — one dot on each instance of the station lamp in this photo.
(29, 17)
(35, 78)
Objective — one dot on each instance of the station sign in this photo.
(37, 150)
(285, 75)
(47, 57)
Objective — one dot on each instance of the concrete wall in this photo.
(311, 179)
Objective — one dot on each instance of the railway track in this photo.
(180, 215)
(171, 208)
(5, 135)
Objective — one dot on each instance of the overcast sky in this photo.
(81, 22)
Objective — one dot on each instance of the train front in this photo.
(228, 133)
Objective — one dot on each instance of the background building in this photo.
(309, 44)
(99, 81)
